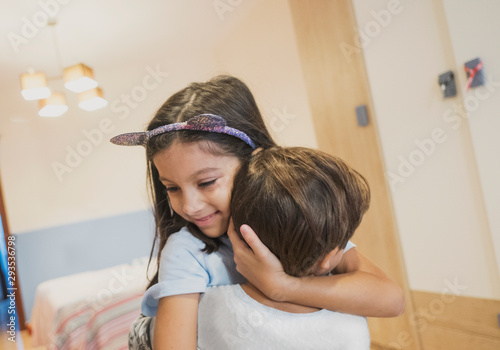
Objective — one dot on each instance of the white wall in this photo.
(262, 50)
(474, 33)
(431, 165)
(109, 180)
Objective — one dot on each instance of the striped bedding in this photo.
(90, 310)
(83, 327)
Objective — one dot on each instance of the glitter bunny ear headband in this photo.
(202, 122)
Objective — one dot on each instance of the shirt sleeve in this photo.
(182, 271)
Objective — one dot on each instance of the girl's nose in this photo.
(192, 203)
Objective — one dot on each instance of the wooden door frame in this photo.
(335, 86)
(16, 286)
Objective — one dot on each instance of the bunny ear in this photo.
(131, 139)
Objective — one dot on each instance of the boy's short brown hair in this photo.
(302, 203)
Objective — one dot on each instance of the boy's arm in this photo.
(176, 322)
(359, 287)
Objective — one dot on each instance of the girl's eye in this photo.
(207, 184)
(171, 189)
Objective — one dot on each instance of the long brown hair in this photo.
(302, 203)
(225, 96)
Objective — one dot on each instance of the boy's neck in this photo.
(257, 295)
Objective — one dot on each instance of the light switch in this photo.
(447, 83)
(362, 115)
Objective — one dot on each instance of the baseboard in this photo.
(448, 321)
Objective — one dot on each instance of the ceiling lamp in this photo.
(54, 106)
(34, 86)
(91, 100)
(79, 78)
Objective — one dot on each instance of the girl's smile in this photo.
(205, 220)
(198, 184)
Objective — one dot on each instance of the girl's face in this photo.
(198, 184)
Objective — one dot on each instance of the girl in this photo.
(192, 159)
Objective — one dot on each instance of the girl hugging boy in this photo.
(196, 143)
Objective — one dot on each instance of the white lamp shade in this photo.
(79, 78)
(91, 100)
(54, 106)
(34, 86)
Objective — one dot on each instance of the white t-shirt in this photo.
(230, 319)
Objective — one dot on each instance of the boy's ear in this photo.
(331, 260)
(325, 263)
(257, 150)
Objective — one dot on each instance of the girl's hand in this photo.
(358, 288)
(258, 264)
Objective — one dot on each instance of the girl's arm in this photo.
(359, 288)
(176, 322)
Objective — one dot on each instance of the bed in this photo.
(90, 310)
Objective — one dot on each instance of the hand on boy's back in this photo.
(257, 263)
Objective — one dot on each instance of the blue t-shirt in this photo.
(185, 269)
